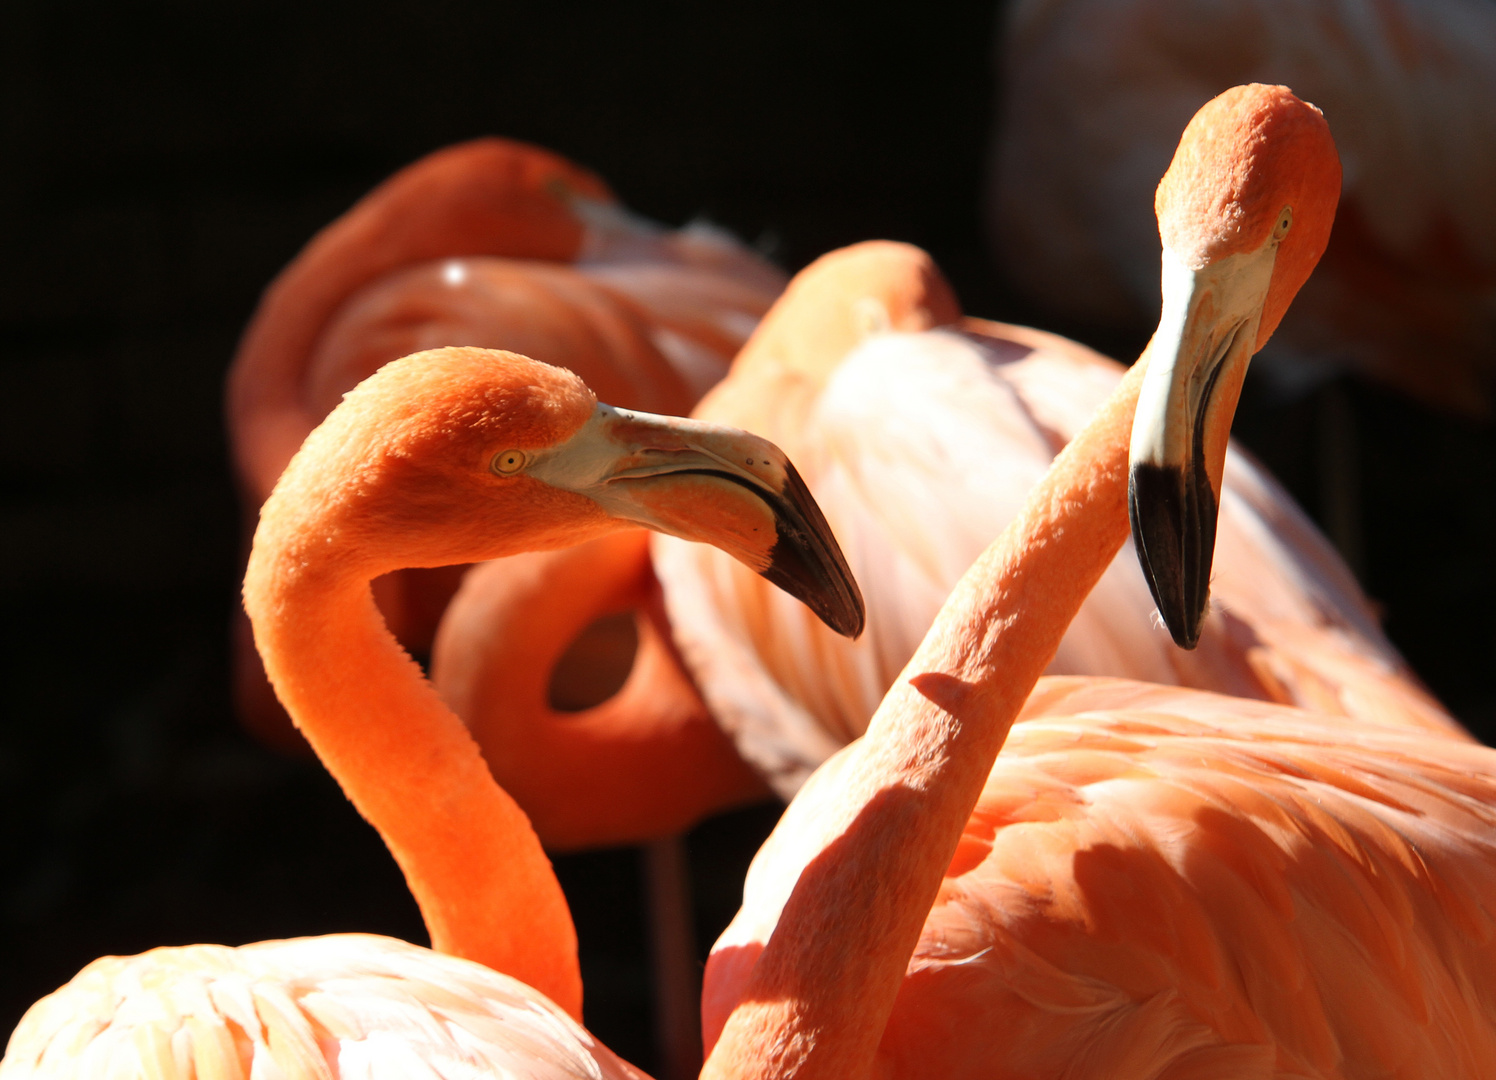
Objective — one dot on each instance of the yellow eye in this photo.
(1285, 219)
(507, 461)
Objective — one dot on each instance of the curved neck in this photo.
(485, 888)
(896, 801)
(647, 762)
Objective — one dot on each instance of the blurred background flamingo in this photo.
(1092, 93)
(1089, 97)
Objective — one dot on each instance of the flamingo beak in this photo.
(713, 484)
(1197, 362)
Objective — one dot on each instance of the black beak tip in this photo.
(807, 562)
(843, 609)
(1173, 531)
(851, 617)
(1184, 630)
(824, 585)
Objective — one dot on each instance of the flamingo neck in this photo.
(893, 804)
(646, 762)
(469, 855)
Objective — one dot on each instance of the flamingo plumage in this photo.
(1093, 93)
(1149, 881)
(496, 244)
(448, 456)
(920, 433)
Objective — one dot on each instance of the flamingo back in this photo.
(1163, 883)
(1159, 882)
(345, 1005)
(544, 310)
(920, 449)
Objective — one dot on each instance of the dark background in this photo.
(159, 165)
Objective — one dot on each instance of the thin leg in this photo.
(677, 974)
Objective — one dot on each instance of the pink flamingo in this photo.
(1094, 92)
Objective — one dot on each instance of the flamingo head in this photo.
(462, 455)
(1244, 213)
(842, 298)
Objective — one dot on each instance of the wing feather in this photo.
(348, 1005)
(920, 449)
(1315, 899)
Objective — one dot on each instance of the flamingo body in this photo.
(545, 308)
(922, 446)
(1163, 882)
(343, 1005)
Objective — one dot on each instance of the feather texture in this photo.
(344, 1005)
(1159, 882)
(920, 449)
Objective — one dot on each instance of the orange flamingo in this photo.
(453, 455)
(1150, 881)
(490, 243)
(1093, 95)
(647, 317)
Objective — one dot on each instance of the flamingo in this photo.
(1149, 881)
(491, 243)
(647, 317)
(449, 456)
(1094, 93)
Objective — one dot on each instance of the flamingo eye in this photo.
(1285, 219)
(506, 462)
